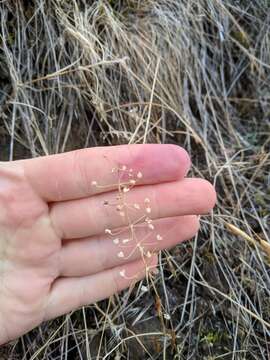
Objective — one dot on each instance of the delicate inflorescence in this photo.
(129, 245)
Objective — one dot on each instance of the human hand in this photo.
(54, 253)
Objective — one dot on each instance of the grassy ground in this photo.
(196, 73)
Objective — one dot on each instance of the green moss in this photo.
(241, 38)
(212, 337)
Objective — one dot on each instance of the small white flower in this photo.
(148, 210)
(124, 168)
(148, 254)
(151, 226)
(116, 241)
(147, 200)
(120, 254)
(124, 241)
(108, 231)
(137, 206)
(122, 273)
(126, 189)
(159, 237)
(167, 316)
(144, 288)
(94, 183)
(139, 175)
(132, 182)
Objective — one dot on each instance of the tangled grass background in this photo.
(81, 73)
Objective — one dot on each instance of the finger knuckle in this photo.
(81, 176)
(17, 200)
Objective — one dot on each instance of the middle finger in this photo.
(91, 216)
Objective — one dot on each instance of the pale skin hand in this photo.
(54, 254)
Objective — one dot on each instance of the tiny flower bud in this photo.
(144, 288)
(167, 316)
(122, 273)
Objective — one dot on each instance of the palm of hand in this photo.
(52, 223)
(30, 256)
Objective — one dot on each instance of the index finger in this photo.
(70, 175)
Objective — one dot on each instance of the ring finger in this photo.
(94, 254)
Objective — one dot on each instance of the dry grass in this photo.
(195, 73)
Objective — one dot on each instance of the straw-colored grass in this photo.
(195, 73)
